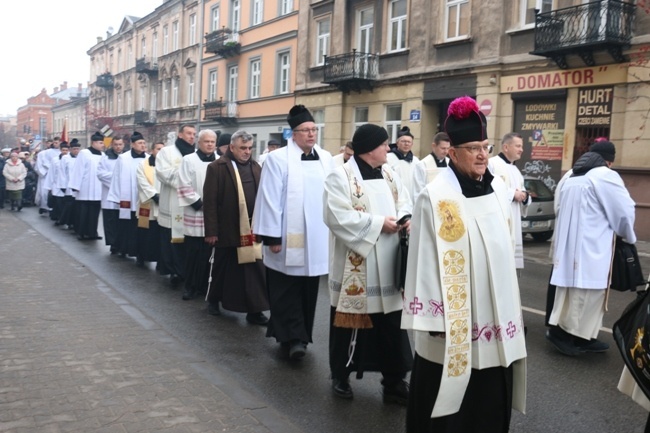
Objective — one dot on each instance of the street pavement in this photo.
(76, 356)
(91, 343)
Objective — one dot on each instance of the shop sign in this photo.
(595, 107)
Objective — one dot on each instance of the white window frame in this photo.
(235, 17)
(541, 5)
(256, 78)
(397, 23)
(119, 61)
(233, 76)
(165, 41)
(128, 101)
(322, 40)
(154, 47)
(392, 125)
(368, 29)
(175, 85)
(192, 30)
(190, 90)
(319, 120)
(358, 120)
(175, 45)
(212, 85)
(119, 104)
(453, 8)
(143, 101)
(286, 7)
(129, 57)
(283, 83)
(257, 11)
(215, 16)
(143, 47)
(153, 102)
(165, 94)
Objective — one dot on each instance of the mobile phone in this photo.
(403, 220)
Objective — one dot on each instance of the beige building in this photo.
(574, 72)
(144, 77)
(74, 115)
(249, 66)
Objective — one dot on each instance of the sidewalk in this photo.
(75, 356)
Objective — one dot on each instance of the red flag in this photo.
(64, 133)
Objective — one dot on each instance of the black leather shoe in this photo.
(591, 346)
(342, 389)
(187, 295)
(257, 319)
(213, 310)
(562, 341)
(398, 393)
(297, 350)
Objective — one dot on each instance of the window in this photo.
(284, 72)
(319, 120)
(233, 74)
(119, 104)
(192, 36)
(212, 85)
(190, 90)
(143, 47)
(365, 23)
(527, 10)
(255, 82)
(258, 12)
(174, 35)
(393, 120)
(128, 100)
(119, 60)
(322, 40)
(143, 102)
(214, 19)
(154, 47)
(457, 16)
(286, 6)
(165, 40)
(235, 17)
(397, 25)
(165, 94)
(175, 84)
(154, 99)
(360, 117)
(129, 57)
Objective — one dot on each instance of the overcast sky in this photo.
(44, 43)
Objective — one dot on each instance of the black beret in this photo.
(273, 142)
(298, 115)
(224, 139)
(64, 144)
(465, 123)
(368, 137)
(97, 136)
(75, 143)
(136, 136)
(606, 149)
(404, 131)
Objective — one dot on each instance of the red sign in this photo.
(486, 107)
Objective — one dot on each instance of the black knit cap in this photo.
(465, 123)
(97, 136)
(298, 115)
(75, 143)
(367, 138)
(136, 136)
(224, 139)
(606, 149)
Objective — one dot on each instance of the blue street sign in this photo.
(415, 116)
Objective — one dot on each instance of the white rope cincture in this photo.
(352, 347)
(210, 277)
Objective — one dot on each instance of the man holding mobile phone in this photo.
(365, 204)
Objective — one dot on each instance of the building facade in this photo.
(249, 67)
(560, 72)
(34, 120)
(73, 114)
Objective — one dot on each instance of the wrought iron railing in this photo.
(598, 22)
(220, 110)
(224, 42)
(105, 80)
(144, 66)
(351, 66)
(144, 118)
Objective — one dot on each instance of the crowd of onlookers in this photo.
(19, 179)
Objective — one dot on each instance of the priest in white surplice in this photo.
(42, 167)
(432, 164)
(503, 166)
(124, 192)
(170, 214)
(148, 198)
(110, 210)
(461, 295)
(87, 188)
(68, 214)
(594, 207)
(401, 158)
(364, 201)
(289, 217)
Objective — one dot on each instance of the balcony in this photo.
(105, 81)
(223, 42)
(221, 111)
(145, 118)
(602, 25)
(142, 66)
(352, 71)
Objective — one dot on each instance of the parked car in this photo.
(540, 219)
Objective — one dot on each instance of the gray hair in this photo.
(205, 132)
(241, 134)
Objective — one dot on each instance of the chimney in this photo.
(56, 90)
(64, 86)
(99, 39)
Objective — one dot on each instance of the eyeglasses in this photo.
(475, 150)
(307, 130)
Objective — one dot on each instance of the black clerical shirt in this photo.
(473, 188)
(367, 172)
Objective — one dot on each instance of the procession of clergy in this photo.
(258, 239)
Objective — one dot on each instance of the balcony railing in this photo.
(224, 112)
(146, 118)
(144, 66)
(224, 42)
(351, 71)
(105, 80)
(602, 25)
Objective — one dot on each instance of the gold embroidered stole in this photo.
(144, 213)
(249, 251)
(352, 308)
(454, 264)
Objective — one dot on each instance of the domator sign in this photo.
(584, 77)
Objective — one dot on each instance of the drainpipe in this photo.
(200, 63)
